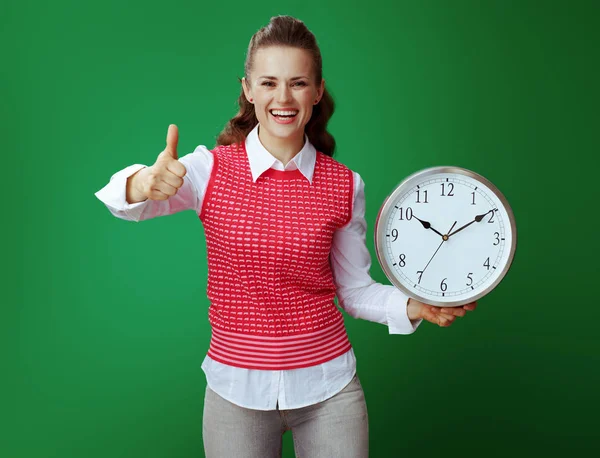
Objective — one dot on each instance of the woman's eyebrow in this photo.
(291, 79)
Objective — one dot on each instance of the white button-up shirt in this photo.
(358, 294)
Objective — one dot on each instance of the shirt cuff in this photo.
(114, 194)
(397, 314)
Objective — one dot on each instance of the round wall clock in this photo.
(445, 236)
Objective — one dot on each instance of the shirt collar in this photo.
(261, 160)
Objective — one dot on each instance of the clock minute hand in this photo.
(427, 225)
(477, 219)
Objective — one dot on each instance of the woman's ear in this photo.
(247, 91)
(320, 91)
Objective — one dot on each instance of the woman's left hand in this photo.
(442, 316)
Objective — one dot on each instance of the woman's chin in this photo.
(282, 131)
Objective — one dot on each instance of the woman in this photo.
(285, 233)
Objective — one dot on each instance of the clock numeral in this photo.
(402, 261)
(443, 285)
(487, 263)
(491, 220)
(420, 274)
(473, 194)
(419, 197)
(497, 241)
(395, 234)
(470, 279)
(450, 190)
(408, 213)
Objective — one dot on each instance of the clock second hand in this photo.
(440, 245)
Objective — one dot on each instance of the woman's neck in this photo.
(283, 149)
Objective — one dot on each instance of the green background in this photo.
(104, 322)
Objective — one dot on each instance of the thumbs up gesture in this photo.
(165, 177)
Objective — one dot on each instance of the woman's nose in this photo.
(284, 94)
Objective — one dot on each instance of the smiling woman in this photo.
(285, 234)
(284, 91)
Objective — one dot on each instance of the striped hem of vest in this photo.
(252, 351)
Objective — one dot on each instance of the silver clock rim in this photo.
(379, 231)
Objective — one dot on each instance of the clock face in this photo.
(446, 236)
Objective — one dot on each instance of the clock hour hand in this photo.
(427, 225)
(438, 248)
(477, 219)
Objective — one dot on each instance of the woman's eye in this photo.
(271, 83)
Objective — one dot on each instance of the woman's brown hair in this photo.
(283, 31)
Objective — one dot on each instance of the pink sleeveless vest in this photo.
(270, 283)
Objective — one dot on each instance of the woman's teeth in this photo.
(284, 113)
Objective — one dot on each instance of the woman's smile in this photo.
(284, 116)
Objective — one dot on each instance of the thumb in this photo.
(172, 138)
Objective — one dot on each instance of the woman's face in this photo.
(283, 80)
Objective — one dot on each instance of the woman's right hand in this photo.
(163, 178)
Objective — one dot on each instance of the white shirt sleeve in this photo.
(358, 294)
(198, 165)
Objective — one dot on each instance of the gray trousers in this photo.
(334, 428)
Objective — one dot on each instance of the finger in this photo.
(442, 321)
(472, 306)
(155, 194)
(455, 311)
(431, 311)
(449, 317)
(165, 188)
(172, 179)
(176, 168)
(430, 314)
(172, 139)
(435, 316)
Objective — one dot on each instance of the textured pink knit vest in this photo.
(270, 284)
